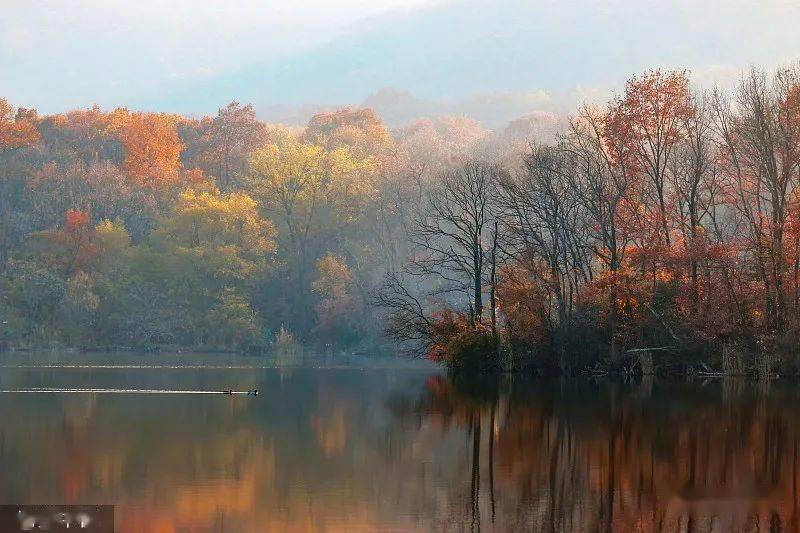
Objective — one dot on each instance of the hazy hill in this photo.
(496, 60)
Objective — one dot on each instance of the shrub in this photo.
(285, 345)
(472, 350)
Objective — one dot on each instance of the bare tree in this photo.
(451, 232)
(693, 174)
(408, 317)
(760, 140)
(545, 226)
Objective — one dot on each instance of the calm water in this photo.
(345, 445)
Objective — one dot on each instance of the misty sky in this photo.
(193, 56)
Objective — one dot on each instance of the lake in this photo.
(358, 444)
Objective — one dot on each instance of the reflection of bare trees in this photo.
(603, 457)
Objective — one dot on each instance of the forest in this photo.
(661, 228)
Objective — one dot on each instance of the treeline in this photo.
(150, 230)
(665, 219)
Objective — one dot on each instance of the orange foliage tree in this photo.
(17, 127)
(360, 130)
(646, 125)
(152, 147)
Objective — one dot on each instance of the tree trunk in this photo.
(492, 294)
(613, 318)
(4, 225)
(693, 261)
(478, 288)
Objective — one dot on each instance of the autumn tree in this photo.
(645, 125)
(338, 305)
(663, 217)
(18, 130)
(210, 254)
(224, 232)
(88, 135)
(54, 286)
(694, 181)
(17, 127)
(233, 135)
(152, 147)
(359, 130)
(312, 192)
(68, 249)
(430, 146)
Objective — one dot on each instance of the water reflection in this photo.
(583, 456)
(404, 449)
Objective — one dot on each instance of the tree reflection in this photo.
(602, 456)
(354, 450)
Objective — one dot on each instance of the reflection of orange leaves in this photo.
(435, 382)
(75, 468)
(73, 483)
(200, 504)
(331, 432)
(161, 525)
(141, 521)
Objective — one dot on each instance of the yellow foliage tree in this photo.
(312, 191)
(224, 227)
(306, 185)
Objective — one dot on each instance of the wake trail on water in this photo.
(203, 367)
(154, 367)
(47, 390)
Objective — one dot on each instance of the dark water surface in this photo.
(388, 445)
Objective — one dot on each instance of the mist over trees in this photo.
(665, 218)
